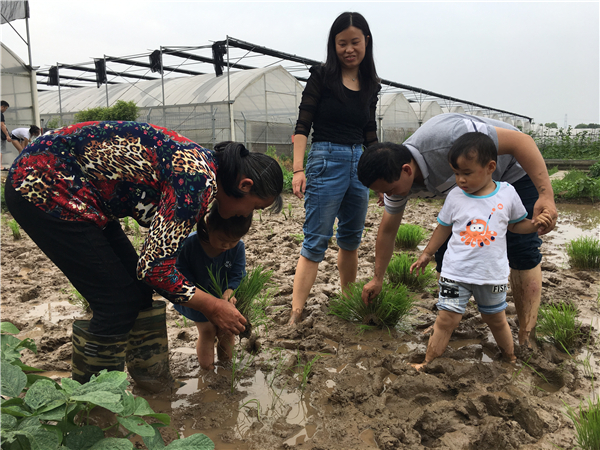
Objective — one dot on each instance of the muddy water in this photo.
(362, 394)
(574, 221)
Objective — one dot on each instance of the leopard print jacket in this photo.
(102, 171)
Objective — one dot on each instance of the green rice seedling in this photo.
(298, 237)
(409, 236)
(398, 272)
(239, 365)
(584, 253)
(250, 286)
(586, 419)
(304, 370)
(384, 311)
(14, 227)
(256, 402)
(126, 224)
(559, 324)
(3, 207)
(75, 298)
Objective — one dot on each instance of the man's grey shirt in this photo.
(429, 146)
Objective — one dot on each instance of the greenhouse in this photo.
(264, 105)
(426, 110)
(396, 119)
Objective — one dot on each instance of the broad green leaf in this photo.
(28, 344)
(42, 393)
(8, 347)
(8, 422)
(83, 438)
(39, 438)
(107, 400)
(115, 378)
(69, 385)
(12, 401)
(17, 411)
(194, 442)
(142, 407)
(128, 404)
(25, 367)
(137, 425)
(155, 442)
(164, 418)
(7, 327)
(112, 444)
(13, 380)
(55, 414)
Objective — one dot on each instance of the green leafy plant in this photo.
(384, 311)
(595, 170)
(3, 207)
(398, 272)
(576, 184)
(584, 253)
(553, 170)
(559, 324)
(121, 110)
(14, 227)
(409, 236)
(564, 144)
(39, 413)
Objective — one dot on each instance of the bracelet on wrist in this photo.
(299, 170)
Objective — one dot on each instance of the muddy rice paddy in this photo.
(361, 392)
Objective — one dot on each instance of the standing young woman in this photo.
(68, 189)
(339, 103)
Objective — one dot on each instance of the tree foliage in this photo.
(551, 125)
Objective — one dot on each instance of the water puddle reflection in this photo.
(54, 311)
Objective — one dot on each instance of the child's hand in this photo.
(421, 263)
(543, 221)
(228, 296)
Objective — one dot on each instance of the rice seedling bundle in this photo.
(398, 272)
(587, 424)
(584, 253)
(384, 311)
(409, 236)
(559, 324)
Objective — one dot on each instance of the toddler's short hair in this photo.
(235, 227)
(474, 145)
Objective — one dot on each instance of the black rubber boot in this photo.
(92, 353)
(148, 350)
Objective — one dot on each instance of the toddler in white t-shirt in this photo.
(476, 215)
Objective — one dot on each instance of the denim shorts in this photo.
(333, 191)
(523, 249)
(454, 296)
(190, 313)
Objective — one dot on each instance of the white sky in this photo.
(538, 59)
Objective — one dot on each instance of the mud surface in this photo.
(361, 392)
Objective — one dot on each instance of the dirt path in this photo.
(361, 392)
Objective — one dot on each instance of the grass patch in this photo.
(385, 311)
(398, 272)
(14, 227)
(576, 184)
(409, 236)
(553, 170)
(559, 324)
(584, 253)
(587, 424)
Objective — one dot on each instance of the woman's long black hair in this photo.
(369, 81)
(235, 162)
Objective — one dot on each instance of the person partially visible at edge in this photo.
(339, 103)
(68, 191)
(4, 133)
(214, 249)
(474, 221)
(21, 137)
(419, 168)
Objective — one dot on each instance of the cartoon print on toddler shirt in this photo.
(478, 233)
